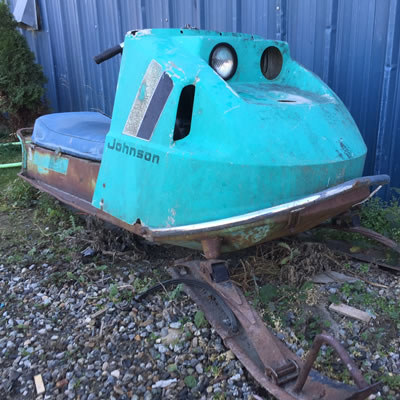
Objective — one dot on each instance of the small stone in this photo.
(118, 390)
(163, 384)
(175, 325)
(115, 373)
(42, 331)
(172, 337)
(62, 383)
(164, 332)
(236, 377)
(46, 300)
(148, 396)
(162, 349)
(199, 368)
(300, 352)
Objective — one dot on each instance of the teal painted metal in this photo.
(45, 163)
(246, 150)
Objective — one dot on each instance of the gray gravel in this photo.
(87, 346)
(75, 323)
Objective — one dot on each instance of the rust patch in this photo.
(84, 205)
(211, 247)
(79, 178)
(281, 225)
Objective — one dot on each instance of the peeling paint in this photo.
(143, 32)
(46, 162)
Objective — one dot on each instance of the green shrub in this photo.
(21, 79)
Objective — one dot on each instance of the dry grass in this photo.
(111, 240)
(291, 262)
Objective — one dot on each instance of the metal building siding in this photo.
(353, 45)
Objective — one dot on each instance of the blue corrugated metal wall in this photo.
(353, 45)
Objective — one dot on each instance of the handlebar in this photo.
(109, 53)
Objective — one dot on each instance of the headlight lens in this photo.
(223, 60)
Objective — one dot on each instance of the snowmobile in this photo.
(217, 142)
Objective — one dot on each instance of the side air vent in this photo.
(184, 113)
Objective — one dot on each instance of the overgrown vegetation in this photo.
(21, 79)
(357, 294)
(378, 215)
(16, 193)
(8, 154)
(382, 217)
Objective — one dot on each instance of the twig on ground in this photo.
(101, 328)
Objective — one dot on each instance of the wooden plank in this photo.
(39, 384)
(350, 312)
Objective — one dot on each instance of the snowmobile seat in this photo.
(80, 134)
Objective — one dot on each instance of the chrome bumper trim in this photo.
(255, 216)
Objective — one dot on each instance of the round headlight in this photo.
(223, 60)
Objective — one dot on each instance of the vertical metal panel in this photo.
(388, 141)
(259, 18)
(359, 64)
(353, 45)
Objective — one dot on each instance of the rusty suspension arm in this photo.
(342, 353)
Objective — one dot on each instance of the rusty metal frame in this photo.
(370, 234)
(282, 373)
(342, 353)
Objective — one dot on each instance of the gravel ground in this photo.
(88, 347)
(79, 327)
(74, 321)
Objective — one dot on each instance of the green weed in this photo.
(190, 381)
(172, 368)
(113, 292)
(199, 319)
(25, 353)
(358, 294)
(18, 194)
(174, 294)
(393, 381)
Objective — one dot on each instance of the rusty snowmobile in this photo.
(218, 141)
